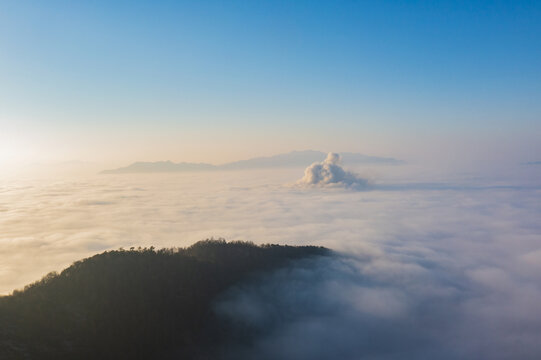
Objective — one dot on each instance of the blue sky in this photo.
(363, 75)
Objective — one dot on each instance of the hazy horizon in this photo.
(124, 82)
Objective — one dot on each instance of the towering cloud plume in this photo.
(330, 173)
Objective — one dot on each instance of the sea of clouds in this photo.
(443, 266)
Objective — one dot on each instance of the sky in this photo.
(121, 81)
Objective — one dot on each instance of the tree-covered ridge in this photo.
(137, 303)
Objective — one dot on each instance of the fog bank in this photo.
(426, 267)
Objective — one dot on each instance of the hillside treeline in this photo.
(135, 304)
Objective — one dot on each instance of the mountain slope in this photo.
(138, 304)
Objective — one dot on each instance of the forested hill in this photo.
(135, 304)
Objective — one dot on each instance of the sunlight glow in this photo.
(16, 150)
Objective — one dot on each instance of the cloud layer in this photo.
(329, 172)
(351, 308)
(422, 272)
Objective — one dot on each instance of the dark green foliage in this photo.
(136, 304)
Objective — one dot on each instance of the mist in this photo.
(427, 264)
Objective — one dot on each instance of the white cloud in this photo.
(425, 272)
(329, 172)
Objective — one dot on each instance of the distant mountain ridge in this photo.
(160, 166)
(291, 159)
